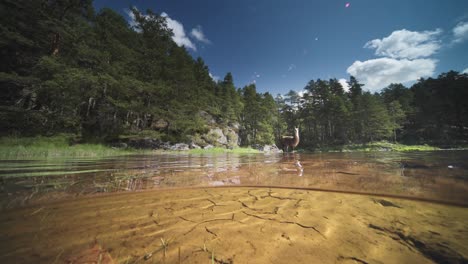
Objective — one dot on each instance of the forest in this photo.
(67, 68)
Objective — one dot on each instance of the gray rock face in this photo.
(180, 146)
(232, 137)
(208, 147)
(220, 137)
(267, 148)
(235, 126)
(194, 146)
(207, 117)
(165, 145)
(275, 149)
(216, 137)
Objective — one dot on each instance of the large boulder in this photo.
(267, 148)
(226, 137)
(180, 146)
(216, 137)
(272, 149)
(207, 117)
(235, 126)
(192, 145)
(232, 137)
(165, 145)
(197, 140)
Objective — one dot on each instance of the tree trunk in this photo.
(55, 44)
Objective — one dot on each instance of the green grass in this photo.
(381, 146)
(58, 146)
(54, 147)
(218, 150)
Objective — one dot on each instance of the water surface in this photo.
(438, 176)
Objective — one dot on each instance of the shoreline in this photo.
(59, 146)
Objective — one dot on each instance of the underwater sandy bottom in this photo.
(234, 225)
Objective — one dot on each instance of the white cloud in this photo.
(465, 71)
(301, 93)
(254, 78)
(291, 67)
(405, 44)
(130, 14)
(198, 34)
(179, 37)
(379, 73)
(460, 31)
(214, 77)
(344, 83)
(405, 58)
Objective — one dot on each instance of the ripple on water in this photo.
(439, 176)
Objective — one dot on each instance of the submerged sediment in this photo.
(235, 225)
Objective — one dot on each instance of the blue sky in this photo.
(281, 45)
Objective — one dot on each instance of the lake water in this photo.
(440, 176)
(382, 207)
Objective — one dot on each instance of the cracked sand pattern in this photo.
(235, 225)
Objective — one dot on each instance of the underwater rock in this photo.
(385, 203)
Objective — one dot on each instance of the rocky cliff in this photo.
(217, 135)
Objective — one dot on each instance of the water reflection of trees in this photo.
(398, 174)
(359, 173)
